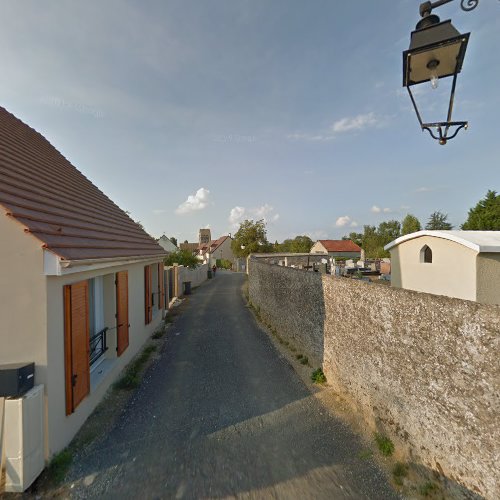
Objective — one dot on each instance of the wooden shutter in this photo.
(122, 330)
(161, 289)
(148, 299)
(76, 344)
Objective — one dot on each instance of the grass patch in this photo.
(427, 488)
(399, 471)
(365, 454)
(299, 356)
(58, 467)
(318, 377)
(293, 349)
(158, 334)
(304, 360)
(131, 378)
(385, 445)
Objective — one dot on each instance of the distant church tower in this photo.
(204, 237)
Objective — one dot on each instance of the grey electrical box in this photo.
(16, 379)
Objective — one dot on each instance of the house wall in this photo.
(23, 299)
(348, 255)
(318, 248)
(451, 273)
(62, 428)
(223, 252)
(488, 278)
(420, 368)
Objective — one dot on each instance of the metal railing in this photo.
(98, 345)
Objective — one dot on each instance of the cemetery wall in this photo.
(421, 368)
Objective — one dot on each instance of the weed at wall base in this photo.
(131, 379)
(399, 472)
(385, 445)
(318, 377)
(59, 466)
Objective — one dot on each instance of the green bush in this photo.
(223, 264)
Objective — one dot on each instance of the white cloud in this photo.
(194, 202)
(354, 224)
(347, 124)
(239, 214)
(387, 210)
(358, 122)
(375, 209)
(236, 215)
(343, 221)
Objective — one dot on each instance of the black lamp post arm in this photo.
(426, 7)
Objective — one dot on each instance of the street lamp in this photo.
(437, 51)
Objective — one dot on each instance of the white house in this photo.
(81, 284)
(167, 245)
(217, 249)
(337, 248)
(463, 264)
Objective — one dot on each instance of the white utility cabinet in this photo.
(23, 439)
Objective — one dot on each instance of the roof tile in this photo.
(56, 203)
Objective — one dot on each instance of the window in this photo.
(426, 255)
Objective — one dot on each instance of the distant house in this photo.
(463, 264)
(217, 249)
(81, 284)
(167, 245)
(337, 248)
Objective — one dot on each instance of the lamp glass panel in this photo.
(446, 55)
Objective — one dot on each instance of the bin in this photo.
(187, 287)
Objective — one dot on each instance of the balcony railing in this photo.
(98, 345)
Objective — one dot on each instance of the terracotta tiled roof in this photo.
(58, 205)
(340, 246)
(192, 247)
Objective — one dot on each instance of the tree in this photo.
(300, 244)
(410, 225)
(388, 231)
(183, 258)
(485, 216)
(438, 221)
(173, 240)
(374, 239)
(251, 237)
(356, 237)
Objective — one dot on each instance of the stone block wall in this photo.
(422, 368)
(291, 300)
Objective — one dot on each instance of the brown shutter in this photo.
(148, 302)
(161, 292)
(76, 344)
(122, 312)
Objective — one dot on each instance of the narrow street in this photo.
(223, 414)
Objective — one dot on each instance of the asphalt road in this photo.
(222, 414)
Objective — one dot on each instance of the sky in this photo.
(192, 114)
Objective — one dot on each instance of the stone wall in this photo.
(422, 368)
(291, 300)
